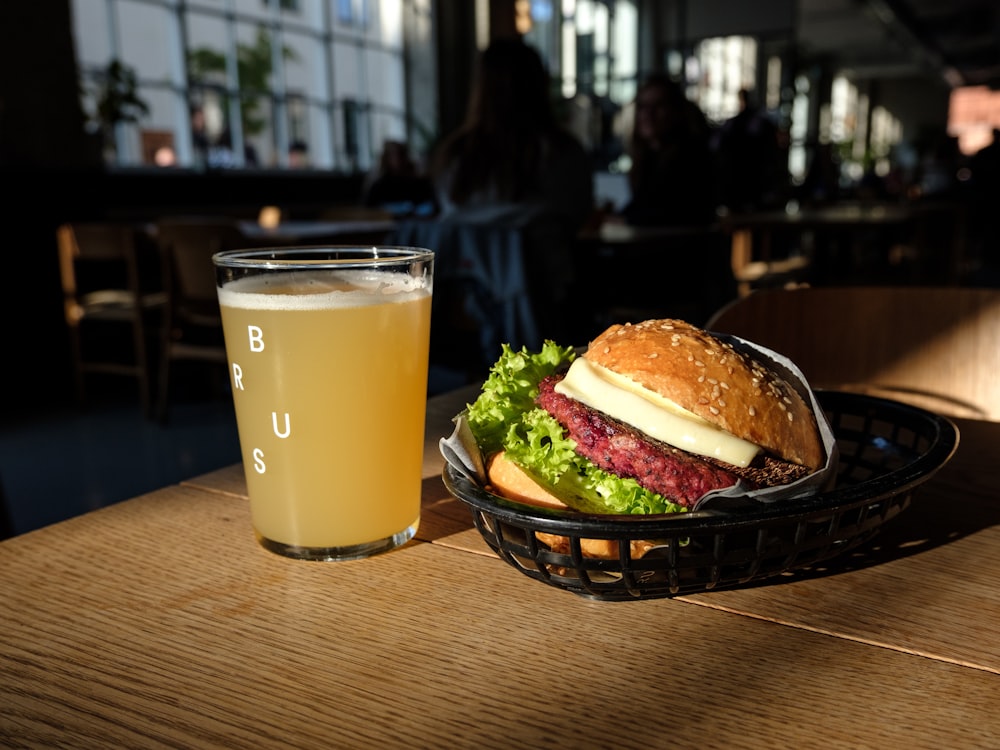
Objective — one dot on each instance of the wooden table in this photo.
(850, 241)
(838, 217)
(159, 622)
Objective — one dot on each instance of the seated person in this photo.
(397, 186)
(671, 177)
(511, 160)
(513, 168)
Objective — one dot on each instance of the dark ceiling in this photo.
(958, 40)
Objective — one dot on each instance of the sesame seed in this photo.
(701, 378)
(722, 402)
(724, 384)
(713, 381)
(790, 416)
(713, 410)
(699, 363)
(654, 355)
(753, 412)
(607, 349)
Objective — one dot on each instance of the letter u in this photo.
(274, 422)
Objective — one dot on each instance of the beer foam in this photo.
(318, 290)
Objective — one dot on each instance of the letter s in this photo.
(258, 461)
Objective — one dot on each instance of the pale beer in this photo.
(329, 376)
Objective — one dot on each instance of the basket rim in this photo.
(942, 447)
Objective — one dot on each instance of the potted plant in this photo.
(118, 102)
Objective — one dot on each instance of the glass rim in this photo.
(317, 256)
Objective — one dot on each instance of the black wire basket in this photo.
(887, 449)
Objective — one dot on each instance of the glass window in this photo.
(148, 45)
(725, 65)
(92, 34)
(232, 83)
(352, 12)
(348, 80)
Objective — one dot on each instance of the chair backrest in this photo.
(100, 242)
(936, 347)
(188, 246)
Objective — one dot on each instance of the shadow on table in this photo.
(925, 525)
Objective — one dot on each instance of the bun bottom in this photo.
(508, 480)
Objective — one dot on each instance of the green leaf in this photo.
(510, 391)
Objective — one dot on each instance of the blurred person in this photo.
(821, 184)
(938, 171)
(749, 158)
(298, 154)
(511, 160)
(671, 176)
(512, 175)
(397, 184)
(221, 154)
(199, 136)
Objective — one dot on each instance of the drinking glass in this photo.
(328, 358)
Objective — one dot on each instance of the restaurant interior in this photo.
(905, 197)
(813, 182)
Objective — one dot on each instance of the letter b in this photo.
(256, 336)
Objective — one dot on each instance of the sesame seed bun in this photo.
(710, 378)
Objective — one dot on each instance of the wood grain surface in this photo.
(159, 622)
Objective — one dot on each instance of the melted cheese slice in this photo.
(625, 400)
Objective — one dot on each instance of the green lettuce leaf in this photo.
(510, 391)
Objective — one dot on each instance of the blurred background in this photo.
(131, 110)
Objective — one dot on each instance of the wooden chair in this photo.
(935, 347)
(103, 297)
(192, 325)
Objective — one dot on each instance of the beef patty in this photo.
(677, 475)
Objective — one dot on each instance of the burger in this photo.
(652, 418)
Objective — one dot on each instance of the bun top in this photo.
(710, 378)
